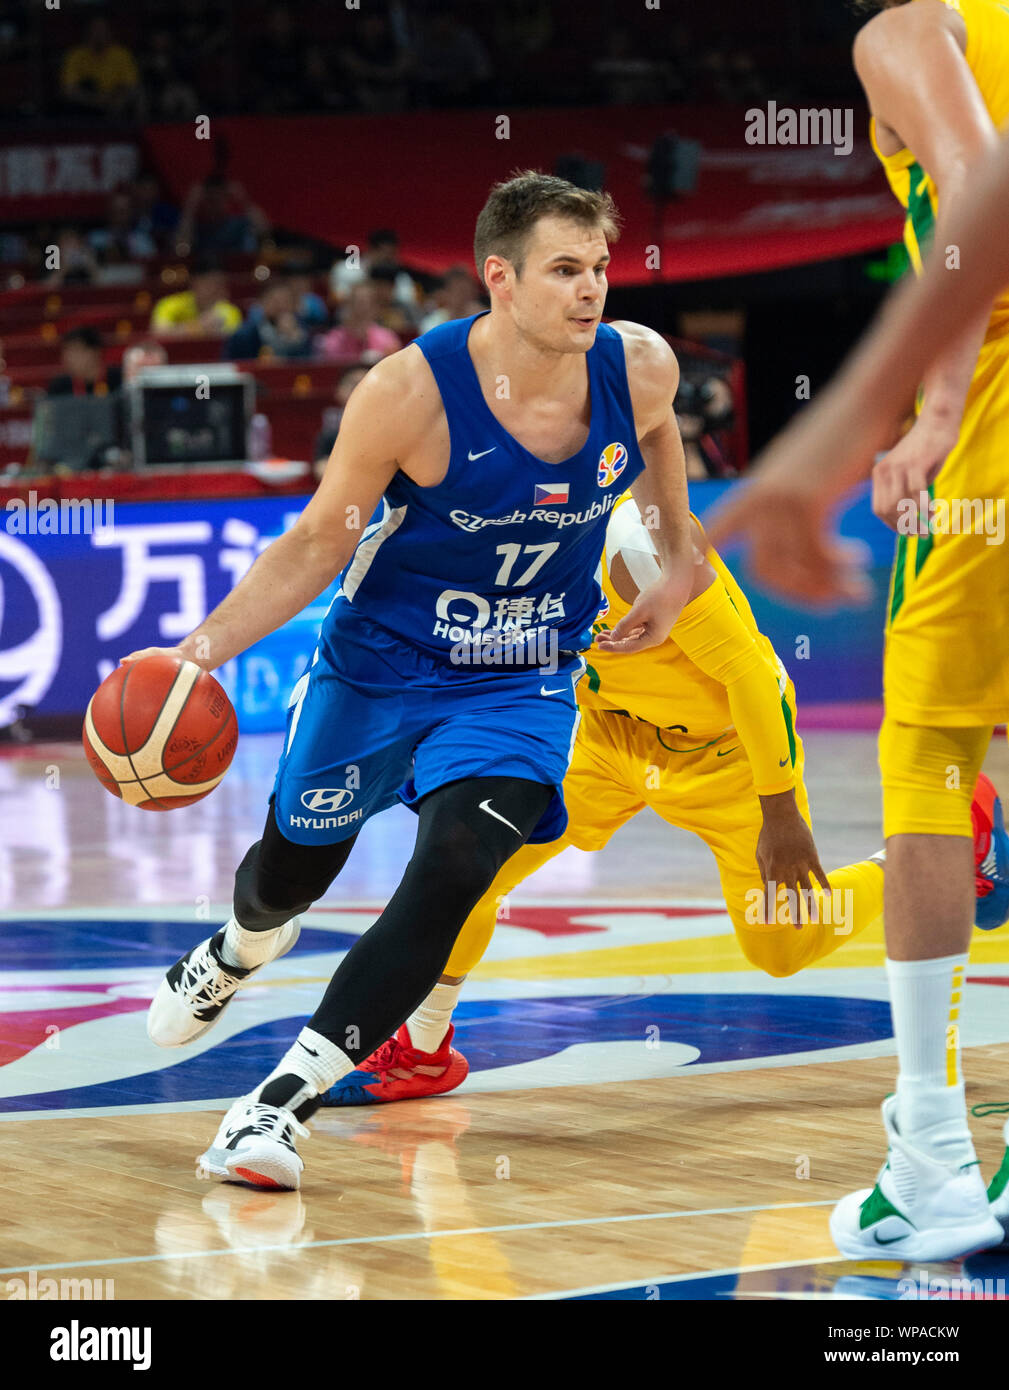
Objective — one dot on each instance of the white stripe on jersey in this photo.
(298, 699)
(368, 547)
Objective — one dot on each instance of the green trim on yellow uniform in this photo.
(923, 548)
(897, 577)
(919, 207)
(786, 710)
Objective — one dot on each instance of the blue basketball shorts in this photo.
(373, 721)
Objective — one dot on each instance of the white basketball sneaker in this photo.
(998, 1188)
(919, 1209)
(196, 990)
(255, 1145)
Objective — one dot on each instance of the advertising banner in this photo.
(83, 583)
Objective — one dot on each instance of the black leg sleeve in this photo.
(466, 831)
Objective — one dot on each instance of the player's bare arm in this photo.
(387, 425)
(924, 97)
(660, 491)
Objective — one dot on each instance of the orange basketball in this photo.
(160, 732)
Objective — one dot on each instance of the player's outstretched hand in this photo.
(793, 550)
(651, 617)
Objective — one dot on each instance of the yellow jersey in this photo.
(661, 685)
(987, 54)
(112, 68)
(181, 308)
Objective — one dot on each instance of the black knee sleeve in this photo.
(277, 879)
(469, 829)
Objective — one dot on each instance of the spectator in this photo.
(99, 75)
(376, 65)
(275, 331)
(84, 372)
(332, 417)
(309, 306)
(142, 355)
(359, 335)
(218, 217)
(155, 214)
(123, 238)
(203, 308)
(455, 298)
(75, 260)
(383, 250)
(401, 318)
(453, 66)
(171, 95)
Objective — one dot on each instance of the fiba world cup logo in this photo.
(612, 462)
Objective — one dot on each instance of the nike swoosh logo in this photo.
(310, 1050)
(783, 762)
(472, 457)
(880, 1241)
(486, 806)
(559, 691)
(722, 751)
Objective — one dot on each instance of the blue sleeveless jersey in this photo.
(506, 549)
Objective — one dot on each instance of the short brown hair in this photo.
(513, 208)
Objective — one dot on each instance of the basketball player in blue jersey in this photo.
(488, 455)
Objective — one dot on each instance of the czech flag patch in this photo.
(551, 494)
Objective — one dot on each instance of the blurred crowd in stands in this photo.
(155, 284)
(209, 282)
(170, 60)
(156, 281)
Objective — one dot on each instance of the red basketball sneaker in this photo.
(399, 1071)
(991, 856)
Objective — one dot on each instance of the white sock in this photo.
(429, 1022)
(319, 1063)
(248, 948)
(931, 1106)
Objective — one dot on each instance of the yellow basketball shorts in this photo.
(946, 660)
(620, 766)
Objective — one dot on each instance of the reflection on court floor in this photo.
(646, 1115)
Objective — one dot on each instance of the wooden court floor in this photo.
(503, 1196)
(579, 1159)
